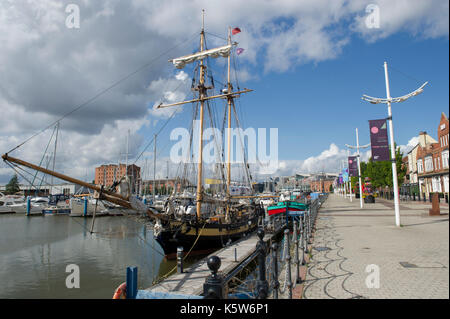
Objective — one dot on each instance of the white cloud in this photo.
(409, 146)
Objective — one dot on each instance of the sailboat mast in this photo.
(201, 88)
(154, 168)
(54, 155)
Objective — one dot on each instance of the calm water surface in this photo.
(34, 253)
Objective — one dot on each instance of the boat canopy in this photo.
(223, 51)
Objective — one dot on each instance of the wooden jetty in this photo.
(191, 281)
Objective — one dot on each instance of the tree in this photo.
(380, 173)
(13, 186)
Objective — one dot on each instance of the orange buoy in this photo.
(121, 292)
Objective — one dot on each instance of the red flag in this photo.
(235, 31)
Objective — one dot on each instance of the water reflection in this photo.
(34, 253)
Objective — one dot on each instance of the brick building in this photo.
(107, 174)
(432, 162)
(322, 183)
(163, 186)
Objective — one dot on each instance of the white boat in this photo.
(11, 205)
(77, 207)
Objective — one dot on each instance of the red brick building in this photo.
(322, 183)
(433, 162)
(107, 174)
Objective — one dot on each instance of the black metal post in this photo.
(262, 286)
(214, 287)
(276, 283)
(288, 264)
(180, 260)
(298, 280)
(302, 237)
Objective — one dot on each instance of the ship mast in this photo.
(104, 194)
(229, 100)
(201, 89)
(224, 51)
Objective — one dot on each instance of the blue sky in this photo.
(319, 103)
(308, 62)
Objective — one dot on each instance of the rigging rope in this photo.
(174, 268)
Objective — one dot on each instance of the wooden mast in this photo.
(107, 195)
(229, 95)
(229, 99)
(201, 88)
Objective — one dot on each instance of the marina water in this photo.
(35, 251)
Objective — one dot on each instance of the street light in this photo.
(359, 164)
(388, 100)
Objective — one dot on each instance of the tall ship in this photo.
(196, 218)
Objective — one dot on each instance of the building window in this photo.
(445, 159)
(436, 184)
(419, 166)
(428, 164)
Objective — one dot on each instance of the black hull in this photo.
(216, 237)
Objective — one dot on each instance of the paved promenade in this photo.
(351, 245)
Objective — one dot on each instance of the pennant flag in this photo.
(239, 51)
(235, 31)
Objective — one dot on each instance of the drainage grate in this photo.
(322, 248)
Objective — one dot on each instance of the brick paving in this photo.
(413, 260)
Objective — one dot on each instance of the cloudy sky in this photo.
(308, 62)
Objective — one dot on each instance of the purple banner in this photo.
(379, 140)
(340, 179)
(353, 166)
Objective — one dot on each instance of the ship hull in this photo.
(199, 239)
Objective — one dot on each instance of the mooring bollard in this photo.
(180, 259)
(262, 286)
(276, 283)
(288, 264)
(214, 287)
(132, 282)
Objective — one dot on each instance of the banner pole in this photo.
(394, 164)
(359, 170)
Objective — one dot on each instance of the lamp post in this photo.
(359, 164)
(388, 100)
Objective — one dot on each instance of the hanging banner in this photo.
(353, 166)
(379, 140)
(345, 175)
(340, 179)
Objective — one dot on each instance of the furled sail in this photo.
(223, 51)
